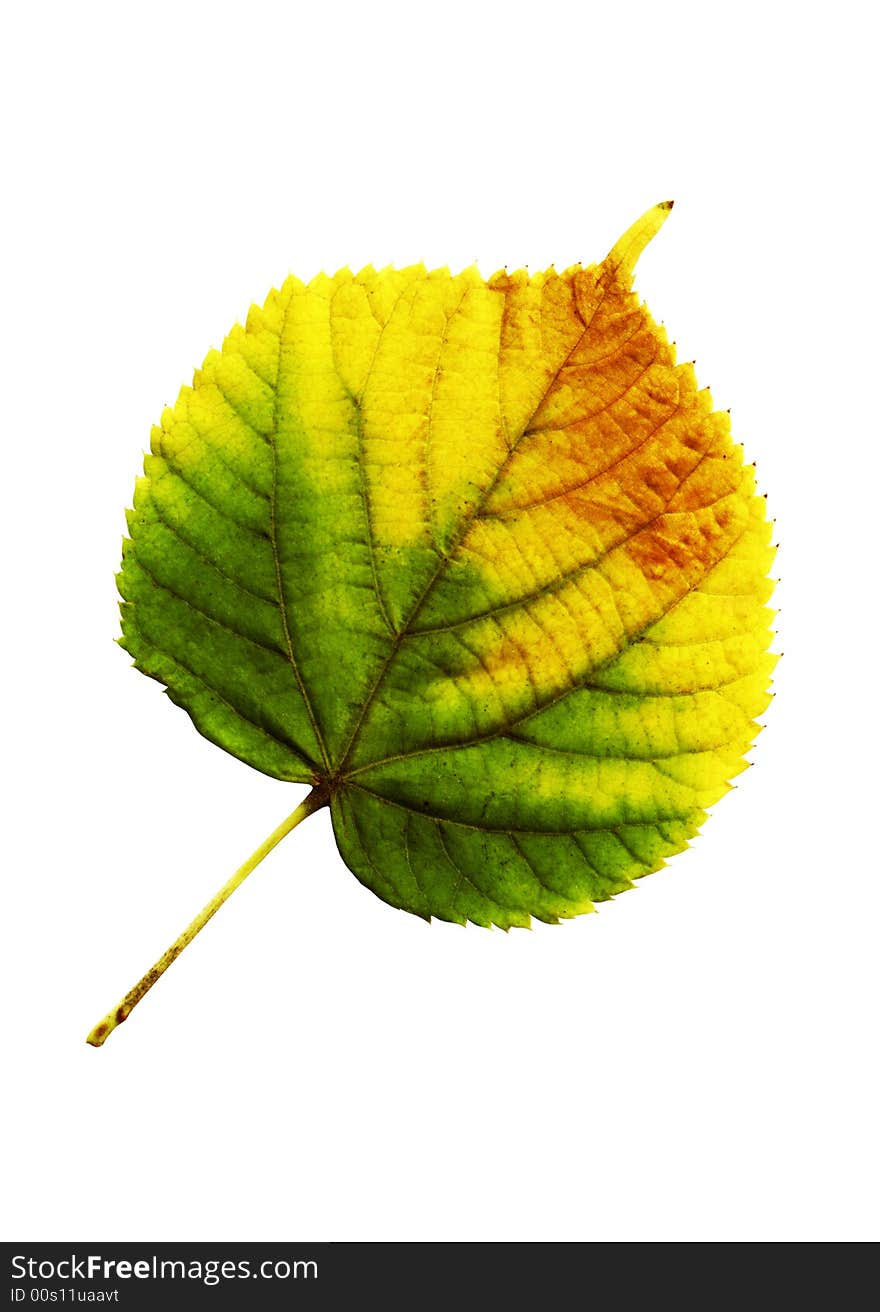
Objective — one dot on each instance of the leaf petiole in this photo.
(313, 802)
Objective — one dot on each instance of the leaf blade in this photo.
(478, 557)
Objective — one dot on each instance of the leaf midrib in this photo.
(466, 522)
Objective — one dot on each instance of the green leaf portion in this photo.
(457, 871)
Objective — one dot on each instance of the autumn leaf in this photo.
(475, 559)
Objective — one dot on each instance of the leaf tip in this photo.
(622, 257)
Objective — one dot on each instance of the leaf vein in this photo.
(199, 610)
(505, 829)
(563, 580)
(273, 538)
(190, 544)
(239, 414)
(176, 472)
(289, 745)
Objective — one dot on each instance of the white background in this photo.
(698, 1060)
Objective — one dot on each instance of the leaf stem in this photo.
(313, 802)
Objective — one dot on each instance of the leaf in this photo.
(477, 560)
